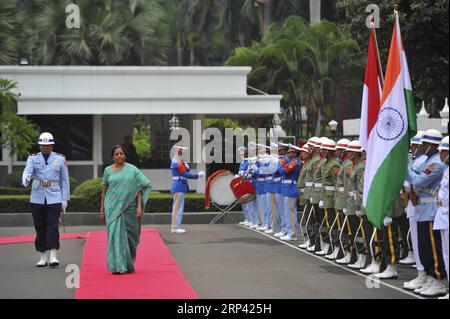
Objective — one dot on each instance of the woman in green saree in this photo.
(125, 194)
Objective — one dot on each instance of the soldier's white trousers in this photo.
(444, 236)
(414, 236)
(290, 215)
(177, 210)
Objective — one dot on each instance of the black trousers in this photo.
(430, 250)
(312, 225)
(46, 221)
(368, 232)
(403, 225)
(390, 246)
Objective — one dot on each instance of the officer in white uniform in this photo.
(426, 184)
(441, 219)
(50, 192)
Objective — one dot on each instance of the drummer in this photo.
(290, 172)
(243, 154)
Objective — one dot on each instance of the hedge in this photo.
(158, 202)
(14, 184)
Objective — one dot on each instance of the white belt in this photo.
(317, 185)
(46, 183)
(276, 180)
(289, 182)
(329, 188)
(309, 184)
(261, 179)
(269, 178)
(340, 189)
(427, 200)
(351, 193)
(179, 178)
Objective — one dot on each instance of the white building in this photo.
(90, 109)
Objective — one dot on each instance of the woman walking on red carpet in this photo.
(125, 194)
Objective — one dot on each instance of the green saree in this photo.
(120, 215)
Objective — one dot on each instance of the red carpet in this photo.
(30, 238)
(157, 274)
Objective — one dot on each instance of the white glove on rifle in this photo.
(201, 174)
(359, 213)
(387, 221)
(64, 205)
(345, 210)
(187, 166)
(310, 200)
(25, 181)
(321, 204)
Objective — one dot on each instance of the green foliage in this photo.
(14, 190)
(309, 65)
(17, 133)
(14, 179)
(9, 25)
(424, 26)
(142, 138)
(90, 189)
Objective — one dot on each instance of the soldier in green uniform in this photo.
(339, 199)
(316, 197)
(351, 221)
(308, 190)
(305, 156)
(329, 177)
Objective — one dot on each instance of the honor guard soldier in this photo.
(441, 219)
(281, 221)
(426, 184)
(304, 157)
(50, 191)
(242, 170)
(311, 220)
(340, 197)
(329, 177)
(290, 171)
(180, 175)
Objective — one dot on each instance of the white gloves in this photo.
(345, 210)
(254, 167)
(201, 174)
(310, 200)
(187, 166)
(359, 213)
(321, 204)
(64, 205)
(387, 221)
(25, 181)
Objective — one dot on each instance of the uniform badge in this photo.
(430, 168)
(55, 162)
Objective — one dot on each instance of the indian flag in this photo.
(388, 142)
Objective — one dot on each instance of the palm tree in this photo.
(307, 64)
(9, 24)
(111, 32)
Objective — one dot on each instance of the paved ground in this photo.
(220, 261)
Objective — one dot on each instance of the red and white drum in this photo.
(243, 190)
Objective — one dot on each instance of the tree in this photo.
(307, 64)
(112, 32)
(8, 32)
(17, 133)
(425, 26)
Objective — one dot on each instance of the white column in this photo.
(198, 145)
(314, 11)
(97, 143)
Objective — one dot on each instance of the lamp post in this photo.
(333, 127)
(444, 114)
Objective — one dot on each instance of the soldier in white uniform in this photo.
(50, 192)
(441, 219)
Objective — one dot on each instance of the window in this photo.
(73, 134)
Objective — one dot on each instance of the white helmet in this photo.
(354, 146)
(313, 141)
(329, 145)
(46, 139)
(417, 138)
(305, 148)
(320, 141)
(444, 144)
(342, 144)
(432, 136)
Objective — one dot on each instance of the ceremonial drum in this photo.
(243, 190)
(219, 189)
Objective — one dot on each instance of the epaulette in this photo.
(60, 154)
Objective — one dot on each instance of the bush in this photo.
(14, 179)
(73, 184)
(14, 191)
(91, 190)
(158, 203)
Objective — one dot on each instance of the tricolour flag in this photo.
(370, 106)
(388, 142)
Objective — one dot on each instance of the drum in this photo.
(219, 189)
(243, 190)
